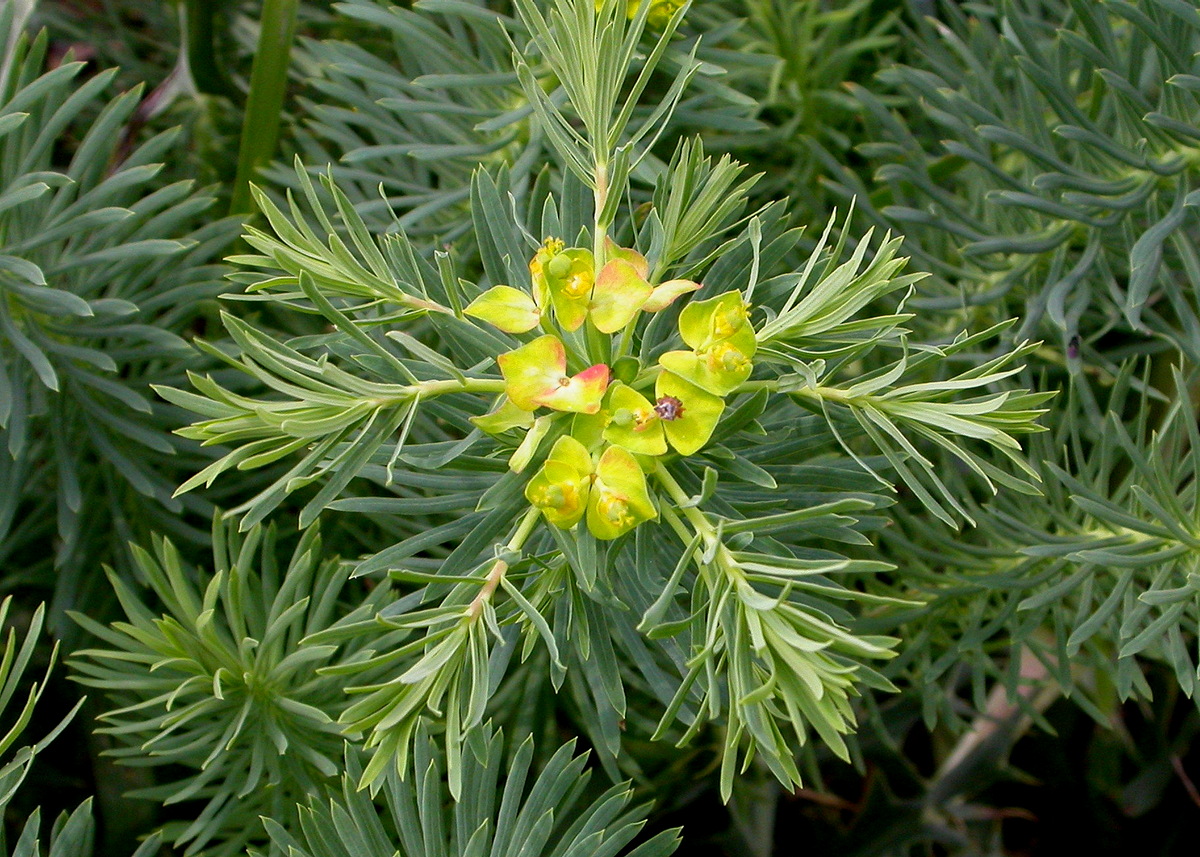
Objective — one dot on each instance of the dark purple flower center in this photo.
(668, 408)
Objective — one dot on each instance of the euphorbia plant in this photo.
(637, 441)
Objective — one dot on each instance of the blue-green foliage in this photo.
(1050, 167)
(103, 271)
(219, 686)
(877, 534)
(552, 812)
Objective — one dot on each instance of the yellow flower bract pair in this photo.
(611, 492)
(566, 281)
(536, 376)
(684, 416)
(722, 341)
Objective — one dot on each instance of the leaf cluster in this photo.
(1064, 184)
(405, 124)
(540, 814)
(102, 269)
(218, 685)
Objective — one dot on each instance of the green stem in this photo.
(598, 344)
(681, 530)
(626, 340)
(694, 516)
(754, 386)
(772, 385)
(722, 558)
(646, 378)
(425, 389)
(397, 394)
(426, 305)
(500, 567)
(830, 394)
(200, 47)
(264, 103)
(22, 10)
(525, 530)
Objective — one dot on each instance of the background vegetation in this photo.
(1037, 158)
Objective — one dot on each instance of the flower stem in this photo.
(625, 340)
(524, 530)
(681, 530)
(395, 395)
(713, 546)
(694, 516)
(265, 100)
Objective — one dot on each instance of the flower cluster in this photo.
(596, 467)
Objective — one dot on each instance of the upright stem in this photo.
(676, 523)
(626, 340)
(599, 227)
(200, 48)
(525, 530)
(264, 103)
(597, 343)
(22, 9)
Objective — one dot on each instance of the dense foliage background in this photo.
(1037, 158)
